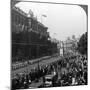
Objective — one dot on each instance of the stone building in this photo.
(29, 36)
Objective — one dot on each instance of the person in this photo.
(85, 77)
(43, 79)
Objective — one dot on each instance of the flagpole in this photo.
(41, 18)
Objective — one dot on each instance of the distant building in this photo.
(70, 45)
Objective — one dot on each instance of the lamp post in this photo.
(38, 46)
(42, 16)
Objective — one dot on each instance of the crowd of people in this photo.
(23, 80)
(74, 73)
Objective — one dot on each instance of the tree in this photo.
(82, 44)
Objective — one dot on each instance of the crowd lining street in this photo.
(71, 70)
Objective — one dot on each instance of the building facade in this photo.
(70, 45)
(29, 36)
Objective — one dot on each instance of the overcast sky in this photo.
(62, 20)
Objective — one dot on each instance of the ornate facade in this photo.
(29, 36)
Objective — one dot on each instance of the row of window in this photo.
(21, 22)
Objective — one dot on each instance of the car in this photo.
(50, 80)
(30, 61)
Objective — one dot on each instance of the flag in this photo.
(36, 17)
(44, 15)
(30, 13)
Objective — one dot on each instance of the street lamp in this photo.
(38, 46)
(42, 16)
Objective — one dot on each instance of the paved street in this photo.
(29, 67)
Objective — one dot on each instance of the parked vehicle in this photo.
(50, 80)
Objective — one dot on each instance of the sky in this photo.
(62, 20)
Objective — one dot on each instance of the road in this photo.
(29, 67)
